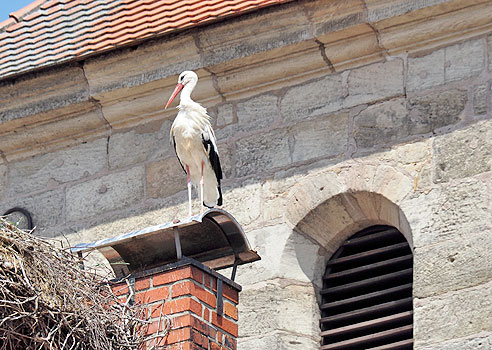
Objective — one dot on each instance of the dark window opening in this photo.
(367, 293)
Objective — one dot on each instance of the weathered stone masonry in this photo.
(331, 116)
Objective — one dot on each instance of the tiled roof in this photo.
(49, 32)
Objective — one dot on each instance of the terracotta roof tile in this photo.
(48, 32)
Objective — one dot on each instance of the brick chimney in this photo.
(189, 306)
(171, 269)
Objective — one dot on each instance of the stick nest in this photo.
(48, 302)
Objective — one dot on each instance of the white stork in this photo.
(195, 144)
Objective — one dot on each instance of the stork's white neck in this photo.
(185, 97)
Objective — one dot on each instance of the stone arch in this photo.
(329, 206)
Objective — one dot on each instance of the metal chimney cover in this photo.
(214, 239)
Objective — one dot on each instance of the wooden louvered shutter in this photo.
(367, 293)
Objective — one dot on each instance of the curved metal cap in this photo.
(214, 238)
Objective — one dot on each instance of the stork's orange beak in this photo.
(176, 91)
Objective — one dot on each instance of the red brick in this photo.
(229, 292)
(208, 281)
(178, 335)
(220, 337)
(190, 288)
(190, 320)
(197, 338)
(175, 306)
(224, 324)
(205, 343)
(200, 326)
(152, 328)
(197, 274)
(120, 289)
(230, 310)
(177, 275)
(230, 342)
(188, 345)
(183, 321)
(142, 284)
(206, 314)
(214, 346)
(152, 295)
(212, 332)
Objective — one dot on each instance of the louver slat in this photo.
(381, 336)
(383, 321)
(401, 345)
(366, 297)
(367, 293)
(362, 313)
(368, 282)
(368, 268)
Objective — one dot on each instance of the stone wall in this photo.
(337, 115)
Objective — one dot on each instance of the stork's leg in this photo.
(201, 191)
(188, 178)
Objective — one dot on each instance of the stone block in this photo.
(145, 142)
(355, 47)
(378, 10)
(389, 122)
(382, 124)
(257, 113)
(269, 242)
(46, 171)
(65, 127)
(480, 100)
(452, 264)
(243, 201)
(329, 17)
(226, 154)
(135, 67)
(364, 87)
(435, 110)
(452, 315)
(312, 99)
(285, 67)
(450, 212)
(164, 178)
(279, 304)
(392, 184)
(463, 153)
(481, 341)
(262, 152)
(285, 254)
(3, 180)
(225, 115)
(46, 208)
(36, 93)
(277, 340)
(279, 27)
(323, 137)
(426, 71)
(132, 218)
(107, 193)
(464, 60)
(302, 260)
(489, 49)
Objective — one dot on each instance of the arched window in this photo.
(367, 293)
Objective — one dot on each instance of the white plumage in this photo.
(195, 144)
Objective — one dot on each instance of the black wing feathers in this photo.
(215, 162)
